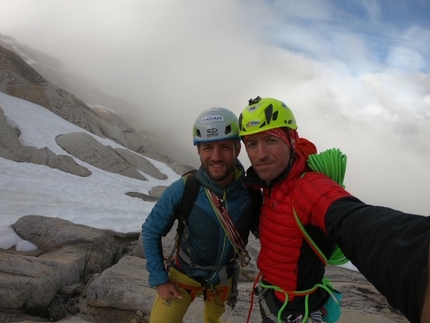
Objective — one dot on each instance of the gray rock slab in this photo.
(123, 286)
(141, 163)
(86, 148)
(11, 148)
(49, 232)
(156, 191)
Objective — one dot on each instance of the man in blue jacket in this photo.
(216, 231)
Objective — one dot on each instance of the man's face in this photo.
(269, 155)
(219, 159)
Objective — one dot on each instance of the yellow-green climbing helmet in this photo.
(263, 114)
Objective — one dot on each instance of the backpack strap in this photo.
(256, 202)
(189, 196)
(191, 190)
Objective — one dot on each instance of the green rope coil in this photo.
(331, 162)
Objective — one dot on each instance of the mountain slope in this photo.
(21, 80)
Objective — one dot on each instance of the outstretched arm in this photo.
(390, 248)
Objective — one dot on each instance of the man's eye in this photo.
(272, 140)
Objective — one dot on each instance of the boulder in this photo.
(68, 254)
(50, 233)
(123, 286)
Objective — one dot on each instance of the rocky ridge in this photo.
(20, 80)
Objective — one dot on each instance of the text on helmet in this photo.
(212, 119)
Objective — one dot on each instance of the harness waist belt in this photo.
(221, 269)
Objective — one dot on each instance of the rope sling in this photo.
(235, 240)
(229, 228)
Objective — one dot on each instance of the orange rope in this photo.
(252, 296)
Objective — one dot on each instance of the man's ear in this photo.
(238, 147)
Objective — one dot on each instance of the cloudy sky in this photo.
(355, 73)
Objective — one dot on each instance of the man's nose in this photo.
(262, 151)
(216, 154)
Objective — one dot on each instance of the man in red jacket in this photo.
(390, 248)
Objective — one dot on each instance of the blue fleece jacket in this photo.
(207, 243)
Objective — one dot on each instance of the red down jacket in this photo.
(285, 259)
(389, 247)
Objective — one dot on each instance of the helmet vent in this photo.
(228, 129)
(198, 134)
(269, 112)
(240, 122)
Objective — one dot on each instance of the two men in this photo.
(389, 248)
(216, 230)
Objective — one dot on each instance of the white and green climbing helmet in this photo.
(215, 124)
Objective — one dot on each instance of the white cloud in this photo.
(373, 9)
(332, 65)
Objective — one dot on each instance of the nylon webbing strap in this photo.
(188, 261)
(221, 269)
(229, 228)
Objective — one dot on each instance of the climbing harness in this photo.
(315, 316)
(209, 292)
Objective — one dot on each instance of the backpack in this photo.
(331, 163)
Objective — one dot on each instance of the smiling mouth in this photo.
(217, 165)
